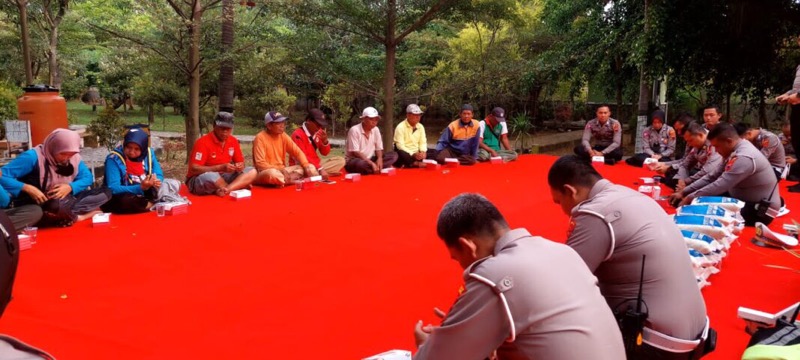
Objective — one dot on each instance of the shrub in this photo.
(108, 126)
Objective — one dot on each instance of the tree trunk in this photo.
(25, 35)
(388, 76)
(644, 90)
(193, 116)
(150, 115)
(762, 112)
(728, 114)
(52, 58)
(226, 79)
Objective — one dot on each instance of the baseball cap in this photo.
(274, 117)
(224, 119)
(413, 109)
(499, 114)
(370, 112)
(318, 116)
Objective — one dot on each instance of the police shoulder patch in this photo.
(731, 161)
(571, 227)
(765, 142)
(671, 133)
(615, 126)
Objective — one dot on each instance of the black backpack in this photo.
(9, 259)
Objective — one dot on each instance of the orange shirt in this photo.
(269, 151)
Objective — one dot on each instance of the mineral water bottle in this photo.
(656, 189)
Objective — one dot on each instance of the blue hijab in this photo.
(138, 137)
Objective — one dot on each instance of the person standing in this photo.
(790, 98)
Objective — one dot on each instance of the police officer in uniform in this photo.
(658, 141)
(746, 175)
(530, 297)
(611, 228)
(701, 159)
(768, 143)
(607, 135)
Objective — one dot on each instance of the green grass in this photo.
(81, 114)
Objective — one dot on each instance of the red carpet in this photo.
(338, 272)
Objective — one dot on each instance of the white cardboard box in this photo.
(391, 355)
(101, 219)
(241, 194)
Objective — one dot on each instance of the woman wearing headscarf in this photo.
(135, 178)
(53, 176)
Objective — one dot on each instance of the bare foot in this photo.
(88, 215)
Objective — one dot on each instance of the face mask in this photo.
(65, 170)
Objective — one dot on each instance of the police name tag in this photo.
(600, 159)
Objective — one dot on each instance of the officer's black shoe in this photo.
(610, 161)
(794, 188)
(793, 177)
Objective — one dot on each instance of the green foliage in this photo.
(8, 101)
(108, 127)
(520, 128)
(253, 108)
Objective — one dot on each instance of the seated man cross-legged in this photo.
(270, 148)
(410, 141)
(312, 137)
(216, 165)
(494, 137)
(460, 139)
(364, 146)
(607, 135)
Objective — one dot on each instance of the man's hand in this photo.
(793, 99)
(59, 191)
(675, 198)
(421, 333)
(375, 168)
(322, 136)
(35, 194)
(686, 200)
(420, 155)
(379, 163)
(156, 182)
(310, 170)
(656, 156)
(597, 153)
(660, 167)
(226, 168)
(680, 186)
(790, 160)
(239, 166)
(782, 99)
(324, 174)
(493, 153)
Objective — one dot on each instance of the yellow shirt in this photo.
(410, 140)
(269, 151)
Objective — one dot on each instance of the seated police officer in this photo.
(611, 228)
(745, 175)
(607, 135)
(530, 297)
(700, 160)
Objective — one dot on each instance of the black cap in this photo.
(224, 119)
(499, 114)
(466, 107)
(318, 117)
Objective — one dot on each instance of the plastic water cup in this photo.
(161, 210)
(298, 186)
(31, 231)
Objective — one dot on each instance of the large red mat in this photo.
(338, 272)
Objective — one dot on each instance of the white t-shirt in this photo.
(503, 128)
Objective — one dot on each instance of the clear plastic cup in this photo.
(32, 232)
(161, 210)
(299, 186)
